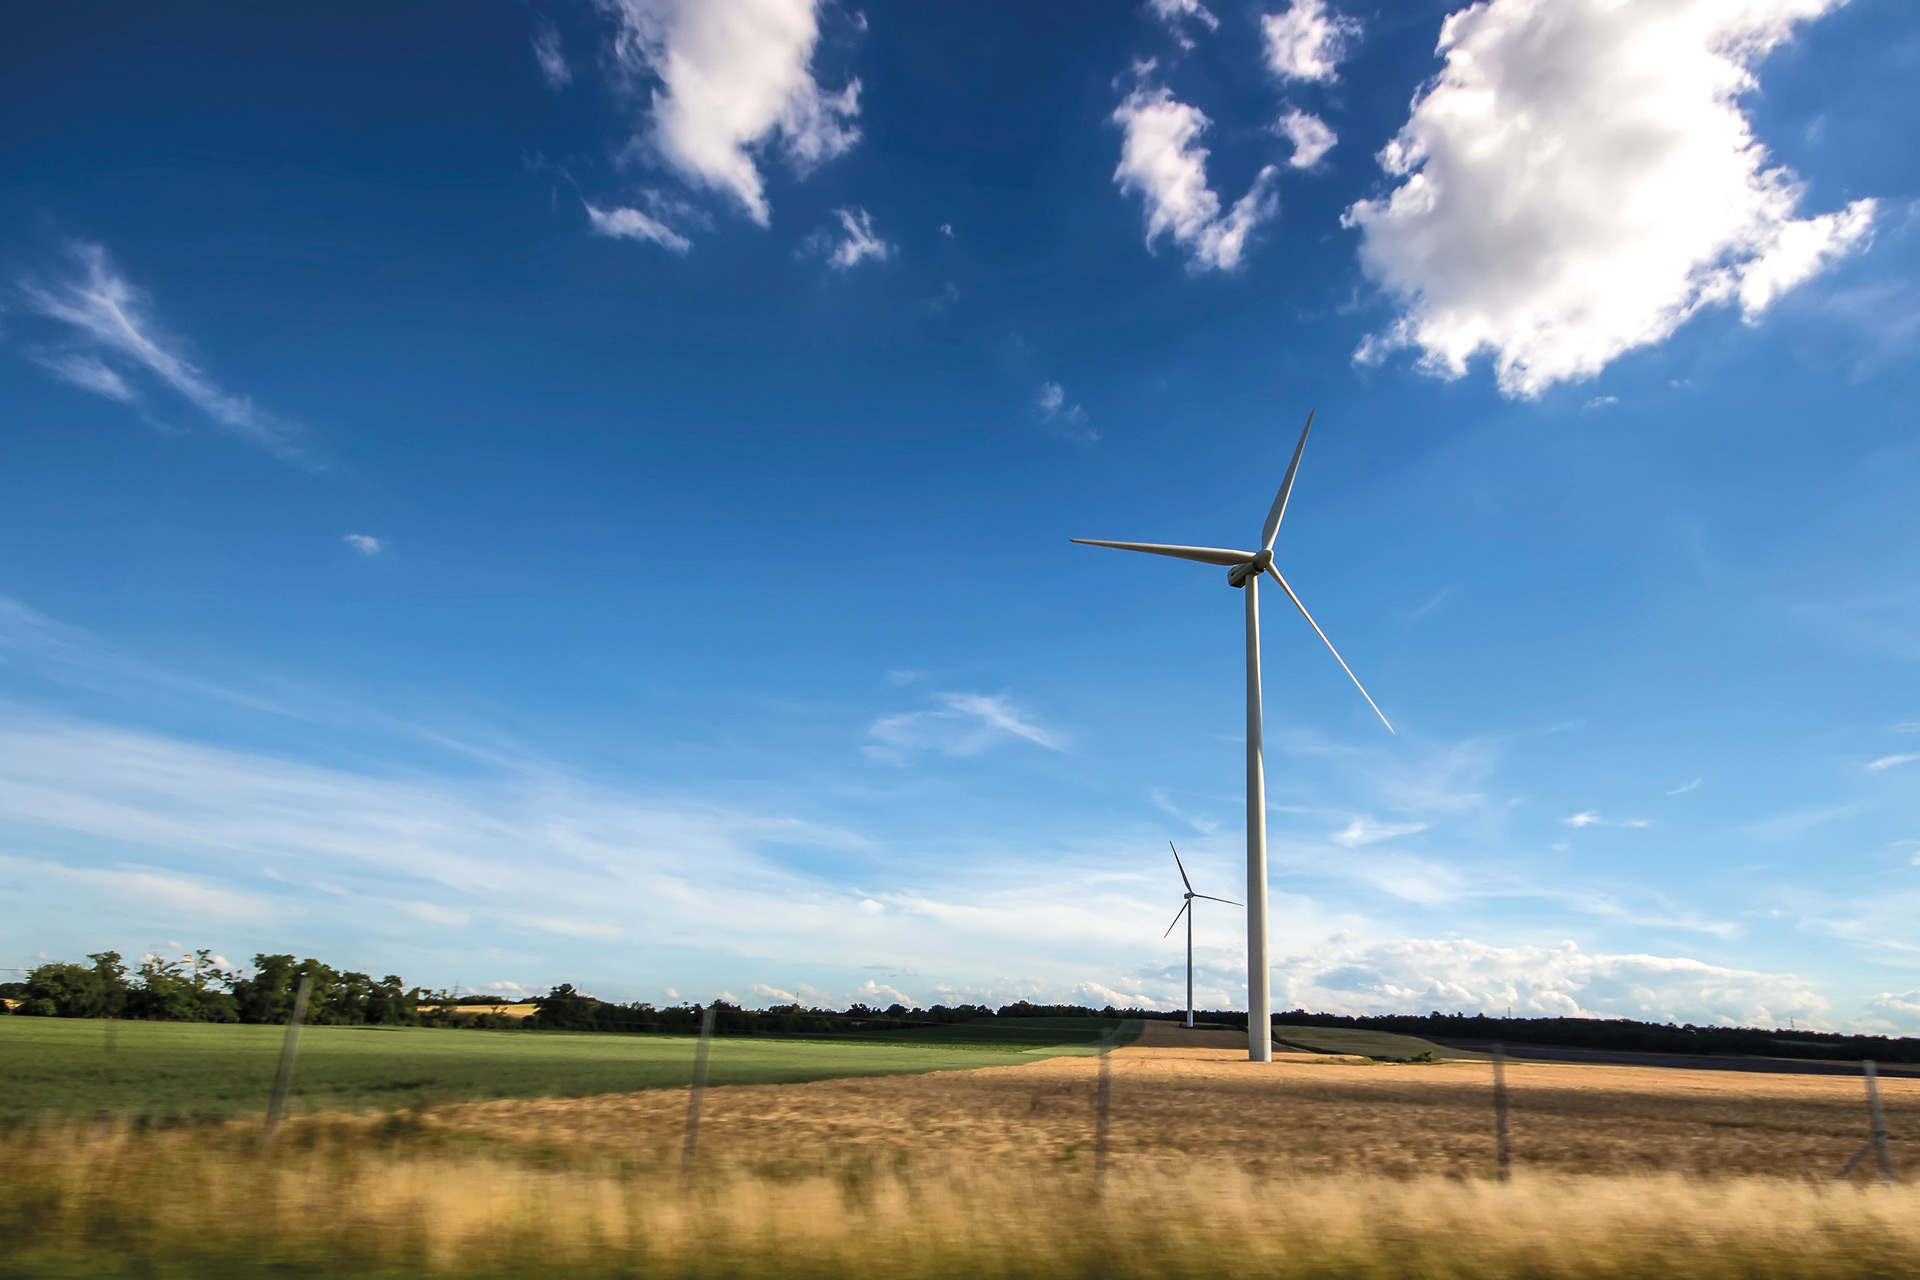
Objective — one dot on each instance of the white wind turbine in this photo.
(1243, 571)
(1186, 909)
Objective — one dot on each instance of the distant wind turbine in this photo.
(1243, 570)
(1186, 909)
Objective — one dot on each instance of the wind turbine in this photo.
(1186, 909)
(1243, 571)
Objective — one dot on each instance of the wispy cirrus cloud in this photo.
(963, 724)
(365, 543)
(1889, 762)
(548, 55)
(108, 338)
(1365, 830)
(1588, 818)
(854, 243)
(622, 223)
(1177, 13)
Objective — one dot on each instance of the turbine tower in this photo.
(1186, 909)
(1244, 569)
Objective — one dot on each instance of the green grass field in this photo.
(1384, 1045)
(80, 1067)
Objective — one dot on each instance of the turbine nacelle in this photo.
(1238, 575)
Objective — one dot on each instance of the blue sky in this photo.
(512, 494)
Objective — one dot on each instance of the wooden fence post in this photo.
(692, 1146)
(283, 1079)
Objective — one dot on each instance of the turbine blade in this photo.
(1330, 649)
(1182, 866)
(1205, 555)
(1176, 917)
(1271, 529)
(1210, 898)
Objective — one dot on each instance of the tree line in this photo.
(195, 988)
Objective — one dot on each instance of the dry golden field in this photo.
(1173, 1107)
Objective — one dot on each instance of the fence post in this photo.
(692, 1146)
(1877, 1143)
(1103, 1106)
(283, 1079)
(1500, 1108)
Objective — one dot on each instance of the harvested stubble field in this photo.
(1309, 1167)
(1302, 1115)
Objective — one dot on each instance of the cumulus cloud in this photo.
(1349, 975)
(1305, 41)
(109, 335)
(1311, 137)
(854, 243)
(1162, 161)
(963, 724)
(547, 55)
(1580, 180)
(365, 543)
(734, 77)
(631, 224)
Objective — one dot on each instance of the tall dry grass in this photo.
(368, 1200)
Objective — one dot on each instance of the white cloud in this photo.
(1348, 975)
(108, 319)
(1685, 787)
(946, 229)
(774, 994)
(963, 724)
(365, 543)
(1589, 818)
(856, 242)
(88, 372)
(1053, 404)
(1895, 1011)
(1580, 180)
(1305, 41)
(547, 55)
(1161, 160)
(1310, 135)
(631, 224)
(1888, 762)
(733, 75)
(1364, 830)
(1176, 13)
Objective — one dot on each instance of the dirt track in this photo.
(1301, 1114)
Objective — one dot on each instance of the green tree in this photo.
(76, 991)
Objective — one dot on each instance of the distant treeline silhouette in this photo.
(196, 989)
